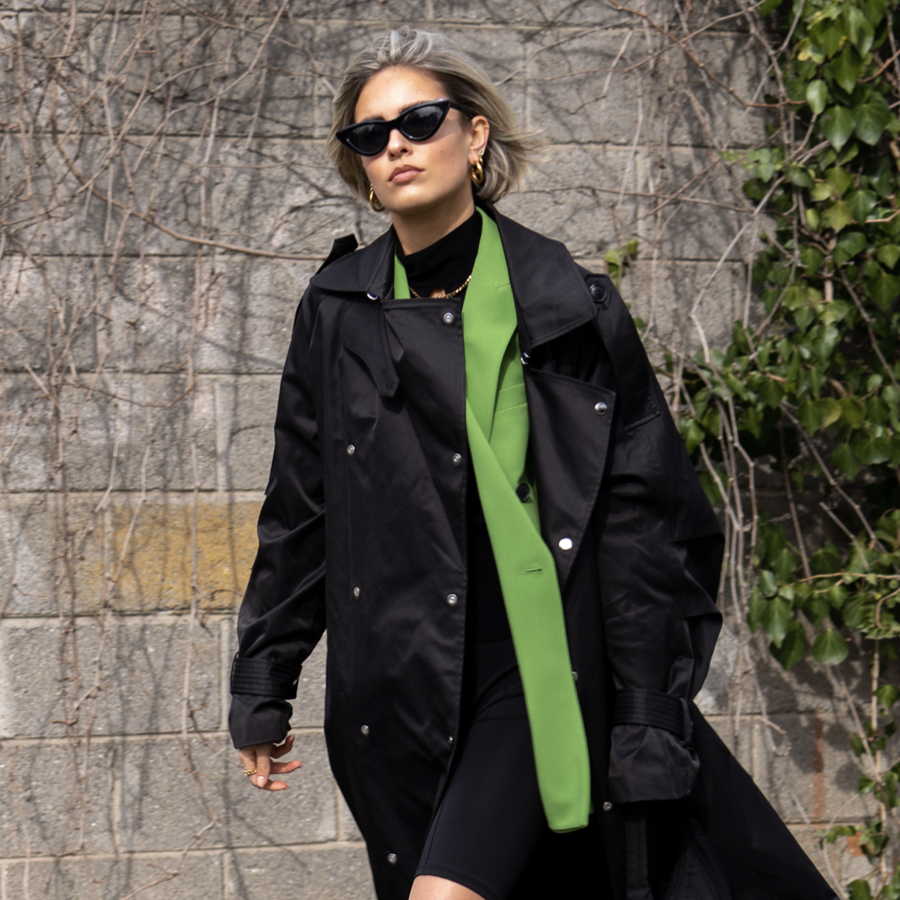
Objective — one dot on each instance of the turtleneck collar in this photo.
(446, 263)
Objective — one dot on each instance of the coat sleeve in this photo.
(282, 615)
(659, 554)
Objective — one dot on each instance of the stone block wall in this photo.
(164, 197)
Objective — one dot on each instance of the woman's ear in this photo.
(481, 131)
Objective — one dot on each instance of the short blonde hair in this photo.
(509, 148)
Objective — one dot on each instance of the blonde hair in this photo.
(509, 147)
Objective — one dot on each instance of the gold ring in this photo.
(250, 771)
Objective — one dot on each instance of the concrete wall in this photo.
(140, 145)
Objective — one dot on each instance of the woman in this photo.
(517, 568)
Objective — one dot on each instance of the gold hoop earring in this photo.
(478, 172)
(374, 202)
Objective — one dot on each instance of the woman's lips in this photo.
(403, 174)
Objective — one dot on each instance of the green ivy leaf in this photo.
(852, 411)
(843, 458)
(861, 204)
(847, 67)
(817, 96)
(837, 595)
(874, 451)
(829, 648)
(830, 411)
(710, 488)
(887, 695)
(769, 6)
(767, 583)
(800, 176)
(810, 416)
(859, 889)
(859, 28)
(740, 338)
(777, 615)
(807, 50)
(771, 392)
(852, 242)
(811, 257)
(827, 35)
(693, 435)
(885, 289)
(871, 119)
(812, 218)
(838, 126)
(888, 254)
(752, 421)
(824, 190)
(793, 647)
(838, 215)
(840, 178)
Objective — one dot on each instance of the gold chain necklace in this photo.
(459, 290)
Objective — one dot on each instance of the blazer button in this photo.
(452, 599)
(351, 449)
(449, 318)
(356, 592)
(607, 806)
(457, 458)
(601, 408)
(598, 292)
(392, 858)
(523, 492)
(565, 544)
(364, 729)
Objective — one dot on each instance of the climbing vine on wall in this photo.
(808, 390)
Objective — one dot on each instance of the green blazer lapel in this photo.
(489, 312)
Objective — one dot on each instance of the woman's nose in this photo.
(397, 143)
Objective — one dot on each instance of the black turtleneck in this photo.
(446, 263)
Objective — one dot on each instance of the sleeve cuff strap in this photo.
(264, 677)
(639, 707)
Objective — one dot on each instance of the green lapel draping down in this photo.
(497, 428)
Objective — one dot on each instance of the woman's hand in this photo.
(258, 761)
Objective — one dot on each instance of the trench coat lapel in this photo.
(551, 295)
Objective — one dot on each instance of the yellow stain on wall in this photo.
(156, 570)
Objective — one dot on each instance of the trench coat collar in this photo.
(551, 295)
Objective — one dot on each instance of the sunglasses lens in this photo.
(368, 138)
(421, 123)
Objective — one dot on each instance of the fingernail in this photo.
(261, 780)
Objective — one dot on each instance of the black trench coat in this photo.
(371, 427)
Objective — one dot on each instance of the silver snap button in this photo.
(600, 408)
(364, 729)
(350, 449)
(450, 739)
(452, 599)
(449, 318)
(356, 592)
(457, 459)
(607, 806)
(565, 544)
(392, 858)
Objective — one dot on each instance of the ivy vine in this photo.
(808, 389)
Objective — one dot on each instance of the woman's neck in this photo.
(419, 230)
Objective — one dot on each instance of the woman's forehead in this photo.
(390, 91)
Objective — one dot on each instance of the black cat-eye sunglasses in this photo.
(418, 123)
